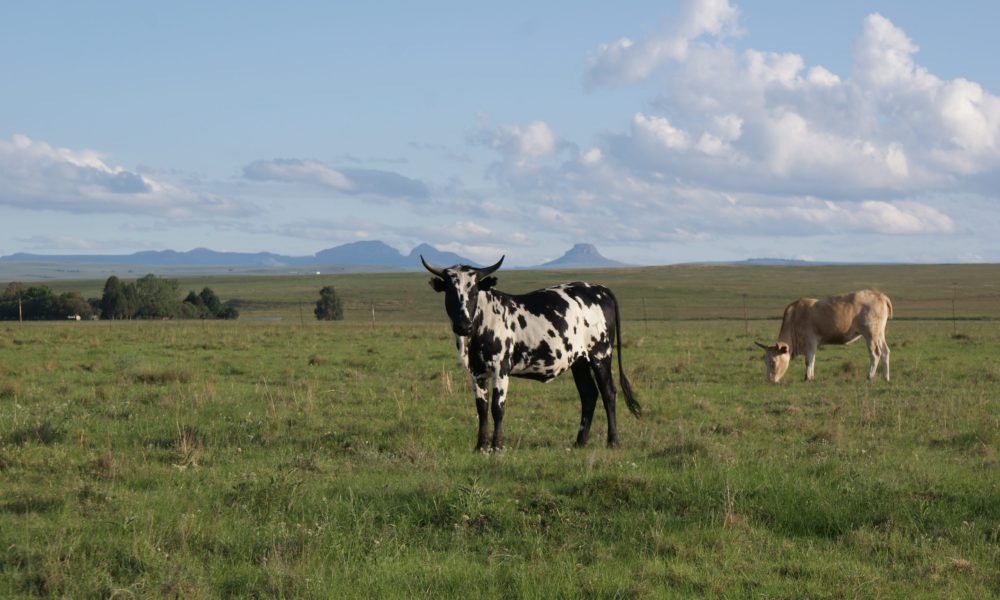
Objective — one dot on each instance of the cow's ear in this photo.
(437, 284)
(487, 283)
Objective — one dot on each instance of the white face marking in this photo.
(776, 364)
(464, 282)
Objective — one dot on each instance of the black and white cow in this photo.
(537, 335)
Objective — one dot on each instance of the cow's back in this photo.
(553, 327)
(840, 319)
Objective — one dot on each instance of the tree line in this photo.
(149, 297)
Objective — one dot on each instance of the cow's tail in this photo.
(888, 304)
(633, 405)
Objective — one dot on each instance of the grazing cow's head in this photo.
(776, 359)
(461, 285)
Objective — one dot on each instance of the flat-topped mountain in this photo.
(581, 256)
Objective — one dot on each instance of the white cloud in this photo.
(523, 146)
(626, 61)
(760, 144)
(37, 176)
(891, 126)
(528, 154)
(591, 157)
(657, 134)
(344, 181)
(820, 77)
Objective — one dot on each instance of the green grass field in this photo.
(280, 457)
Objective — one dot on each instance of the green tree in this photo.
(157, 297)
(329, 306)
(193, 307)
(38, 303)
(228, 312)
(68, 305)
(211, 301)
(35, 303)
(130, 301)
(13, 293)
(113, 300)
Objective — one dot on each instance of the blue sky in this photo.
(661, 132)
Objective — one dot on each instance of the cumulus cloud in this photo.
(37, 176)
(524, 147)
(529, 155)
(758, 142)
(341, 181)
(626, 61)
(765, 121)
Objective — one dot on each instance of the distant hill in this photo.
(369, 255)
(364, 254)
(777, 261)
(373, 253)
(581, 256)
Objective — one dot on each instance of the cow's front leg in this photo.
(497, 406)
(810, 362)
(481, 385)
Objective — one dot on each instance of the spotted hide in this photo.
(537, 335)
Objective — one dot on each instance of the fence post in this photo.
(954, 324)
(746, 319)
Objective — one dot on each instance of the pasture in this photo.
(277, 456)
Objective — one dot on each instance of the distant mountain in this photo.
(355, 256)
(438, 258)
(582, 256)
(777, 261)
(198, 257)
(374, 254)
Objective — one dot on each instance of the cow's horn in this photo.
(435, 270)
(486, 271)
(762, 345)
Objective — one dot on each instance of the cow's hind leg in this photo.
(884, 348)
(497, 407)
(584, 379)
(605, 382)
(482, 391)
(874, 352)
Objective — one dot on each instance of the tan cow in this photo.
(809, 323)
